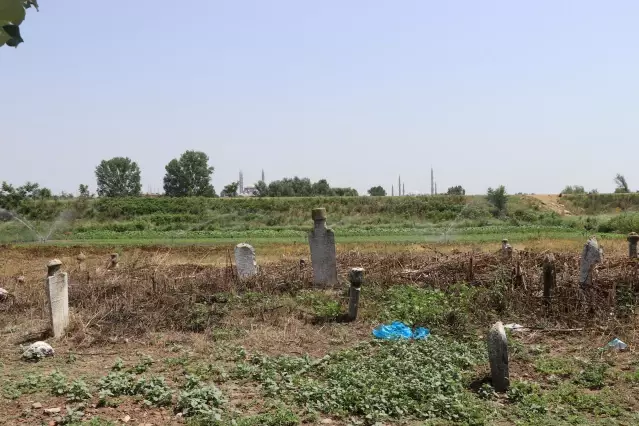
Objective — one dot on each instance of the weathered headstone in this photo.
(355, 277)
(81, 258)
(58, 295)
(323, 256)
(590, 256)
(549, 277)
(506, 249)
(245, 260)
(633, 238)
(113, 262)
(498, 357)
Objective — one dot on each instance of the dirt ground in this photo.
(552, 202)
(89, 354)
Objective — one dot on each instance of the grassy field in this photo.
(354, 219)
(172, 337)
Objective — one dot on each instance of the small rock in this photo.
(178, 415)
(4, 294)
(21, 279)
(37, 351)
(52, 410)
(36, 405)
(126, 419)
(327, 421)
(52, 423)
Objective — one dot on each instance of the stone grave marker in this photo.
(58, 296)
(498, 357)
(590, 256)
(323, 255)
(245, 260)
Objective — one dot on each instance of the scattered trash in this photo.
(399, 330)
(515, 327)
(4, 294)
(617, 344)
(37, 351)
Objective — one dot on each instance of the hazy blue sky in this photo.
(532, 95)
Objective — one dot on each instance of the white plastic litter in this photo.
(38, 350)
(4, 294)
(515, 327)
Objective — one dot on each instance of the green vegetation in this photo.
(118, 177)
(12, 14)
(189, 176)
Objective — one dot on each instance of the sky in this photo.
(532, 95)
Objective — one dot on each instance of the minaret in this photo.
(263, 178)
(392, 190)
(432, 182)
(399, 184)
(403, 189)
(241, 182)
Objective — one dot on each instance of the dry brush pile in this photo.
(146, 293)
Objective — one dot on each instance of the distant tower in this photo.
(432, 182)
(403, 189)
(399, 184)
(435, 187)
(263, 178)
(241, 182)
(392, 190)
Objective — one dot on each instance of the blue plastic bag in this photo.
(399, 330)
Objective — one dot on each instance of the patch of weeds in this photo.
(72, 417)
(282, 416)
(119, 365)
(380, 380)
(58, 382)
(177, 361)
(116, 383)
(202, 403)
(78, 391)
(31, 383)
(487, 392)
(210, 371)
(155, 391)
(575, 401)
(143, 365)
(563, 367)
(323, 305)
(98, 421)
(593, 376)
(11, 391)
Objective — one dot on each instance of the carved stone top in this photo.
(54, 262)
(356, 276)
(319, 214)
(633, 237)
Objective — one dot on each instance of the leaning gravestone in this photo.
(245, 260)
(498, 357)
(323, 256)
(58, 295)
(591, 255)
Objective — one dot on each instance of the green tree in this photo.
(118, 177)
(261, 189)
(456, 190)
(377, 191)
(189, 176)
(498, 198)
(622, 184)
(84, 191)
(12, 14)
(230, 190)
(321, 188)
(345, 192)
(574, 189)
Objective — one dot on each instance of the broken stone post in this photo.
(549, 277)
(590, 256)
(245, 261)
(81, 258)
(633, 238)
(355, 277)
(323, 256)
(498, 357)
(470, 276)
(506, 249)
(58, 296)
(113, 262)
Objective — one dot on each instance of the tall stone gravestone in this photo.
(58, 295)
(591, 255)
(323, 256)
(245, 260)
(498, 357)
